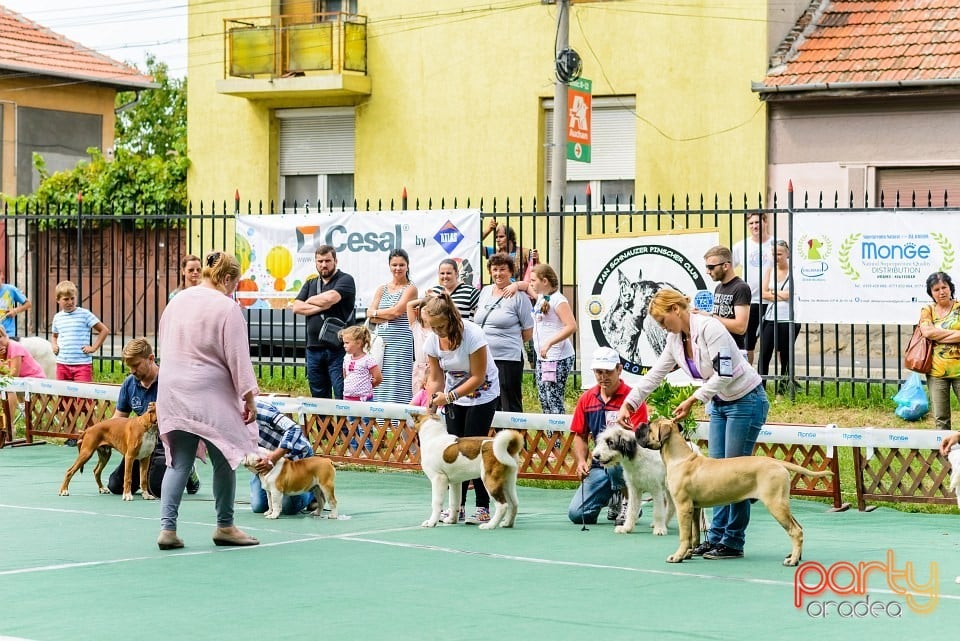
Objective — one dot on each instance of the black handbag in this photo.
(330, 332)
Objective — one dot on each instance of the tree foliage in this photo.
(149, 164)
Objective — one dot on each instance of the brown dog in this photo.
(697, 482)
(312, 474)
(134, 437)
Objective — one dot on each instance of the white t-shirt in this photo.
(755, 258)
(546, 326)
(456, 364)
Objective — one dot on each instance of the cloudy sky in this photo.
(125, 30)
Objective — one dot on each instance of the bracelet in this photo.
(454, 394)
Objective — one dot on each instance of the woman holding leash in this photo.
(703, 348)
(462, 378)
(206, 396)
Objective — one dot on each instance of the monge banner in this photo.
(276, 252)
(619, 275)
(869, 267)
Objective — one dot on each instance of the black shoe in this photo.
(723, 552)
(702, 549)
(71, 442)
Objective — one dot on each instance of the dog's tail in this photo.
(506, 447)
(802, 470)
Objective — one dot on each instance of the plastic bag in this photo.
(911, 400)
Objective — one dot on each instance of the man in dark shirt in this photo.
(731, 298)
(333, 294)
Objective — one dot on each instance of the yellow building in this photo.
(294, 101)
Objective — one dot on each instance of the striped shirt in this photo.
(73, 333)
(279, 430)
(465, 297)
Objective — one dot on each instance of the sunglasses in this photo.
(710, 268)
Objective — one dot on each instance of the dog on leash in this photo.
(448, 461)
(643, 471)
(135, 437)
(312, 474)
(697, 482)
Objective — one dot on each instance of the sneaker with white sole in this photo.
(622, 517)
(721, 552)
(460, 518)
(482, 515)
(613, 507)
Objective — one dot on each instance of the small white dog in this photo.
(643, 471)
(448, 461)
(954, 458)
(42, 351)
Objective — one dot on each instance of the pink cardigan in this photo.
(205, 370)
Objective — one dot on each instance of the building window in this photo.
(611, 173)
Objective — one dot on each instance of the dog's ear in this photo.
(627, 444)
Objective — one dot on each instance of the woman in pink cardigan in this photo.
(206, 396)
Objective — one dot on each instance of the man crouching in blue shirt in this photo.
(280, 434)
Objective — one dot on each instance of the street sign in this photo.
(578, 120)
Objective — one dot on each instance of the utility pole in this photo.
(558, 173)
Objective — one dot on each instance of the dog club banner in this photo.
(276, 252)
(618, 277)
(869, 267)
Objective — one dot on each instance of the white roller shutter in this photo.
(613, 145)
(316, 141)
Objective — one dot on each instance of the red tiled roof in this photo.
(871, 41)
(29, 48)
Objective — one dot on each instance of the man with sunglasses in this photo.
(731, 298)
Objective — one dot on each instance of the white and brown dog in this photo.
(643, 471)
(135, 437)
(312, 474)
(448, 461)
(697, 482)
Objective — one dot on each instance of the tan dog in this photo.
(312, 474)
(697, 482)
(135, 437)
(448, 461)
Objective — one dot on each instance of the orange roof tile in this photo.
(869, 41)
(29, 48)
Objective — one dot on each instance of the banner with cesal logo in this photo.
(276, 252)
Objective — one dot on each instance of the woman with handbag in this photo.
(940, 324)
(388, 315)
(507, 320)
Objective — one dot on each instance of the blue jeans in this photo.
(325, 372)
(734, 427)
(594, 493)
(291, 504)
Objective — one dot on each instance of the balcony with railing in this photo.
(321, 55)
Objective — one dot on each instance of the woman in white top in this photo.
(778, 329)
(703, 348)
(553, 325)
(462, 378)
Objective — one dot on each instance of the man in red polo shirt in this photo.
(596, 409)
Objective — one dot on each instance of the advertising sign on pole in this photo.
(578, 120)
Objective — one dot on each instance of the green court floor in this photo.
(87, 567)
